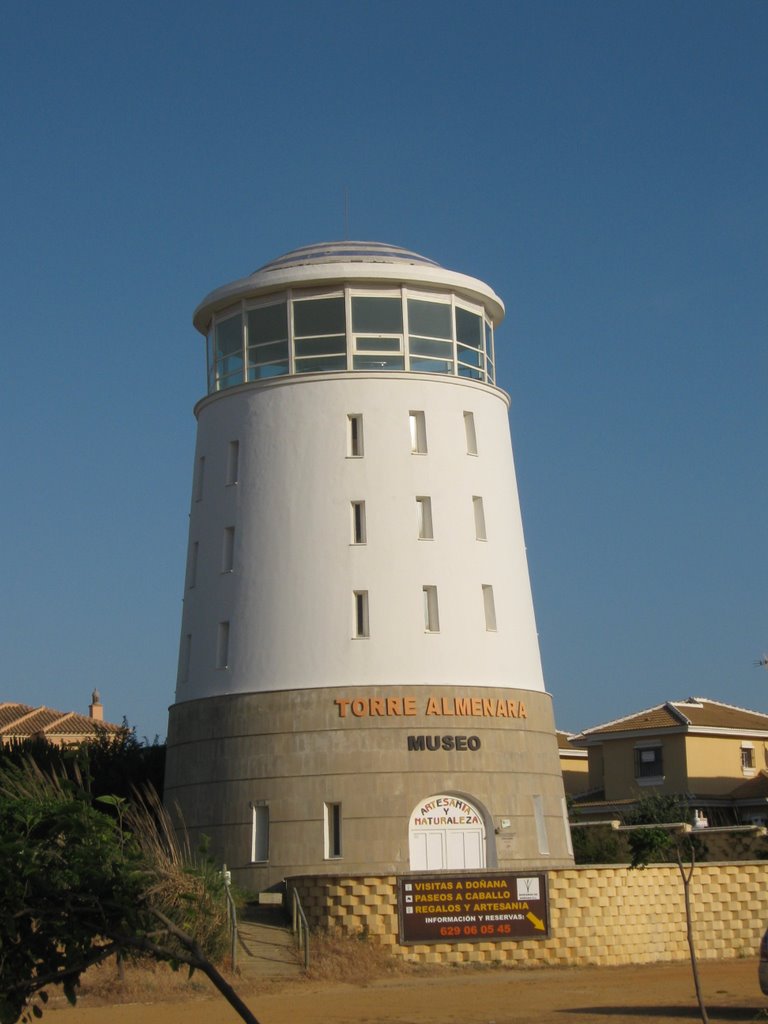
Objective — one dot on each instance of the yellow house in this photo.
(573, 764)
(713, 755)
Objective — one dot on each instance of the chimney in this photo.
(96, 708)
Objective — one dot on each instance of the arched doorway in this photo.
(446, 833)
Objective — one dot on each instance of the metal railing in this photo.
(300, 926)
(231, 915)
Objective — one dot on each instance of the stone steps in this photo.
(265, 944)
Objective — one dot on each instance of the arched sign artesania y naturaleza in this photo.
(446, 833)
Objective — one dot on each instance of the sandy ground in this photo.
(624, 995)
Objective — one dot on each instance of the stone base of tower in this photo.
(370, 782)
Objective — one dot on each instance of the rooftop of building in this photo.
(24, 721)
(690, 715)
(346, 252)
(325, 264)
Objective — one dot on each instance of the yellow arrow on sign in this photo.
(537, 923)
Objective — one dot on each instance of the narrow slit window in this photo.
(361, 623)
(358, 522)
(259, 833)
(489, 606)
(424, 517)
(228, 549)
(418, 429)
(541, 826)
(194, 552)
(354, 435)
(479, 511)
(222, 646)
(566, 825)
(469, 430)
(431, 613)
(332, 830)
(185, 657)
(199, 478)
(233, 462)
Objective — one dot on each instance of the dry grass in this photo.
(337, 956)
(144, 981)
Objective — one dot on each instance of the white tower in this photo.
(358, 649)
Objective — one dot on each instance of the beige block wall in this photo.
(598, 915)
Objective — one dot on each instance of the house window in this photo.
(358, 522)
(233, 459)
(377, 329)
(259, 832)
(424, 518)
(222, 646)
(228, 549)
(355, 435)
(319, 335)
(648, 763)
(267, 341)
(479, 511)
(431, 614)
(489, 607)
(418, 428)
(430, 336)
(469, 430)
(747, 757)
(361, 625)
(332, 822)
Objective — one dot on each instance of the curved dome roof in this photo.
(346, 252)
(330, 263)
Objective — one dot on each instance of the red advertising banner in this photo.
(472, 908)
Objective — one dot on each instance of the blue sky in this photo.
(602, 165)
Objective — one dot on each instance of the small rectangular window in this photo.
(354, 435)
(332, 823)
(185, 657)
(259, 833)
(541, 825)
(469, 430)
(649, 763)
(424, 518)
(194, 552)
(222, 646)
(233, 459)
(747, 757)
(361, 624)
(418, 428)
(479, 511)
(199, 478)
(431, 613)
(489, 606)
(358, 522)
(228, 549)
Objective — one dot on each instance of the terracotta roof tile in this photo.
(693, 713)
(20, 721)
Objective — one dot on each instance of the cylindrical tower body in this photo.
(360, 687)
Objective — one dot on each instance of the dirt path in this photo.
(623, 995)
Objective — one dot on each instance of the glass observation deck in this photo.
(349, 328)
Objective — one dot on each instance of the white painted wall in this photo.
(289, 598)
